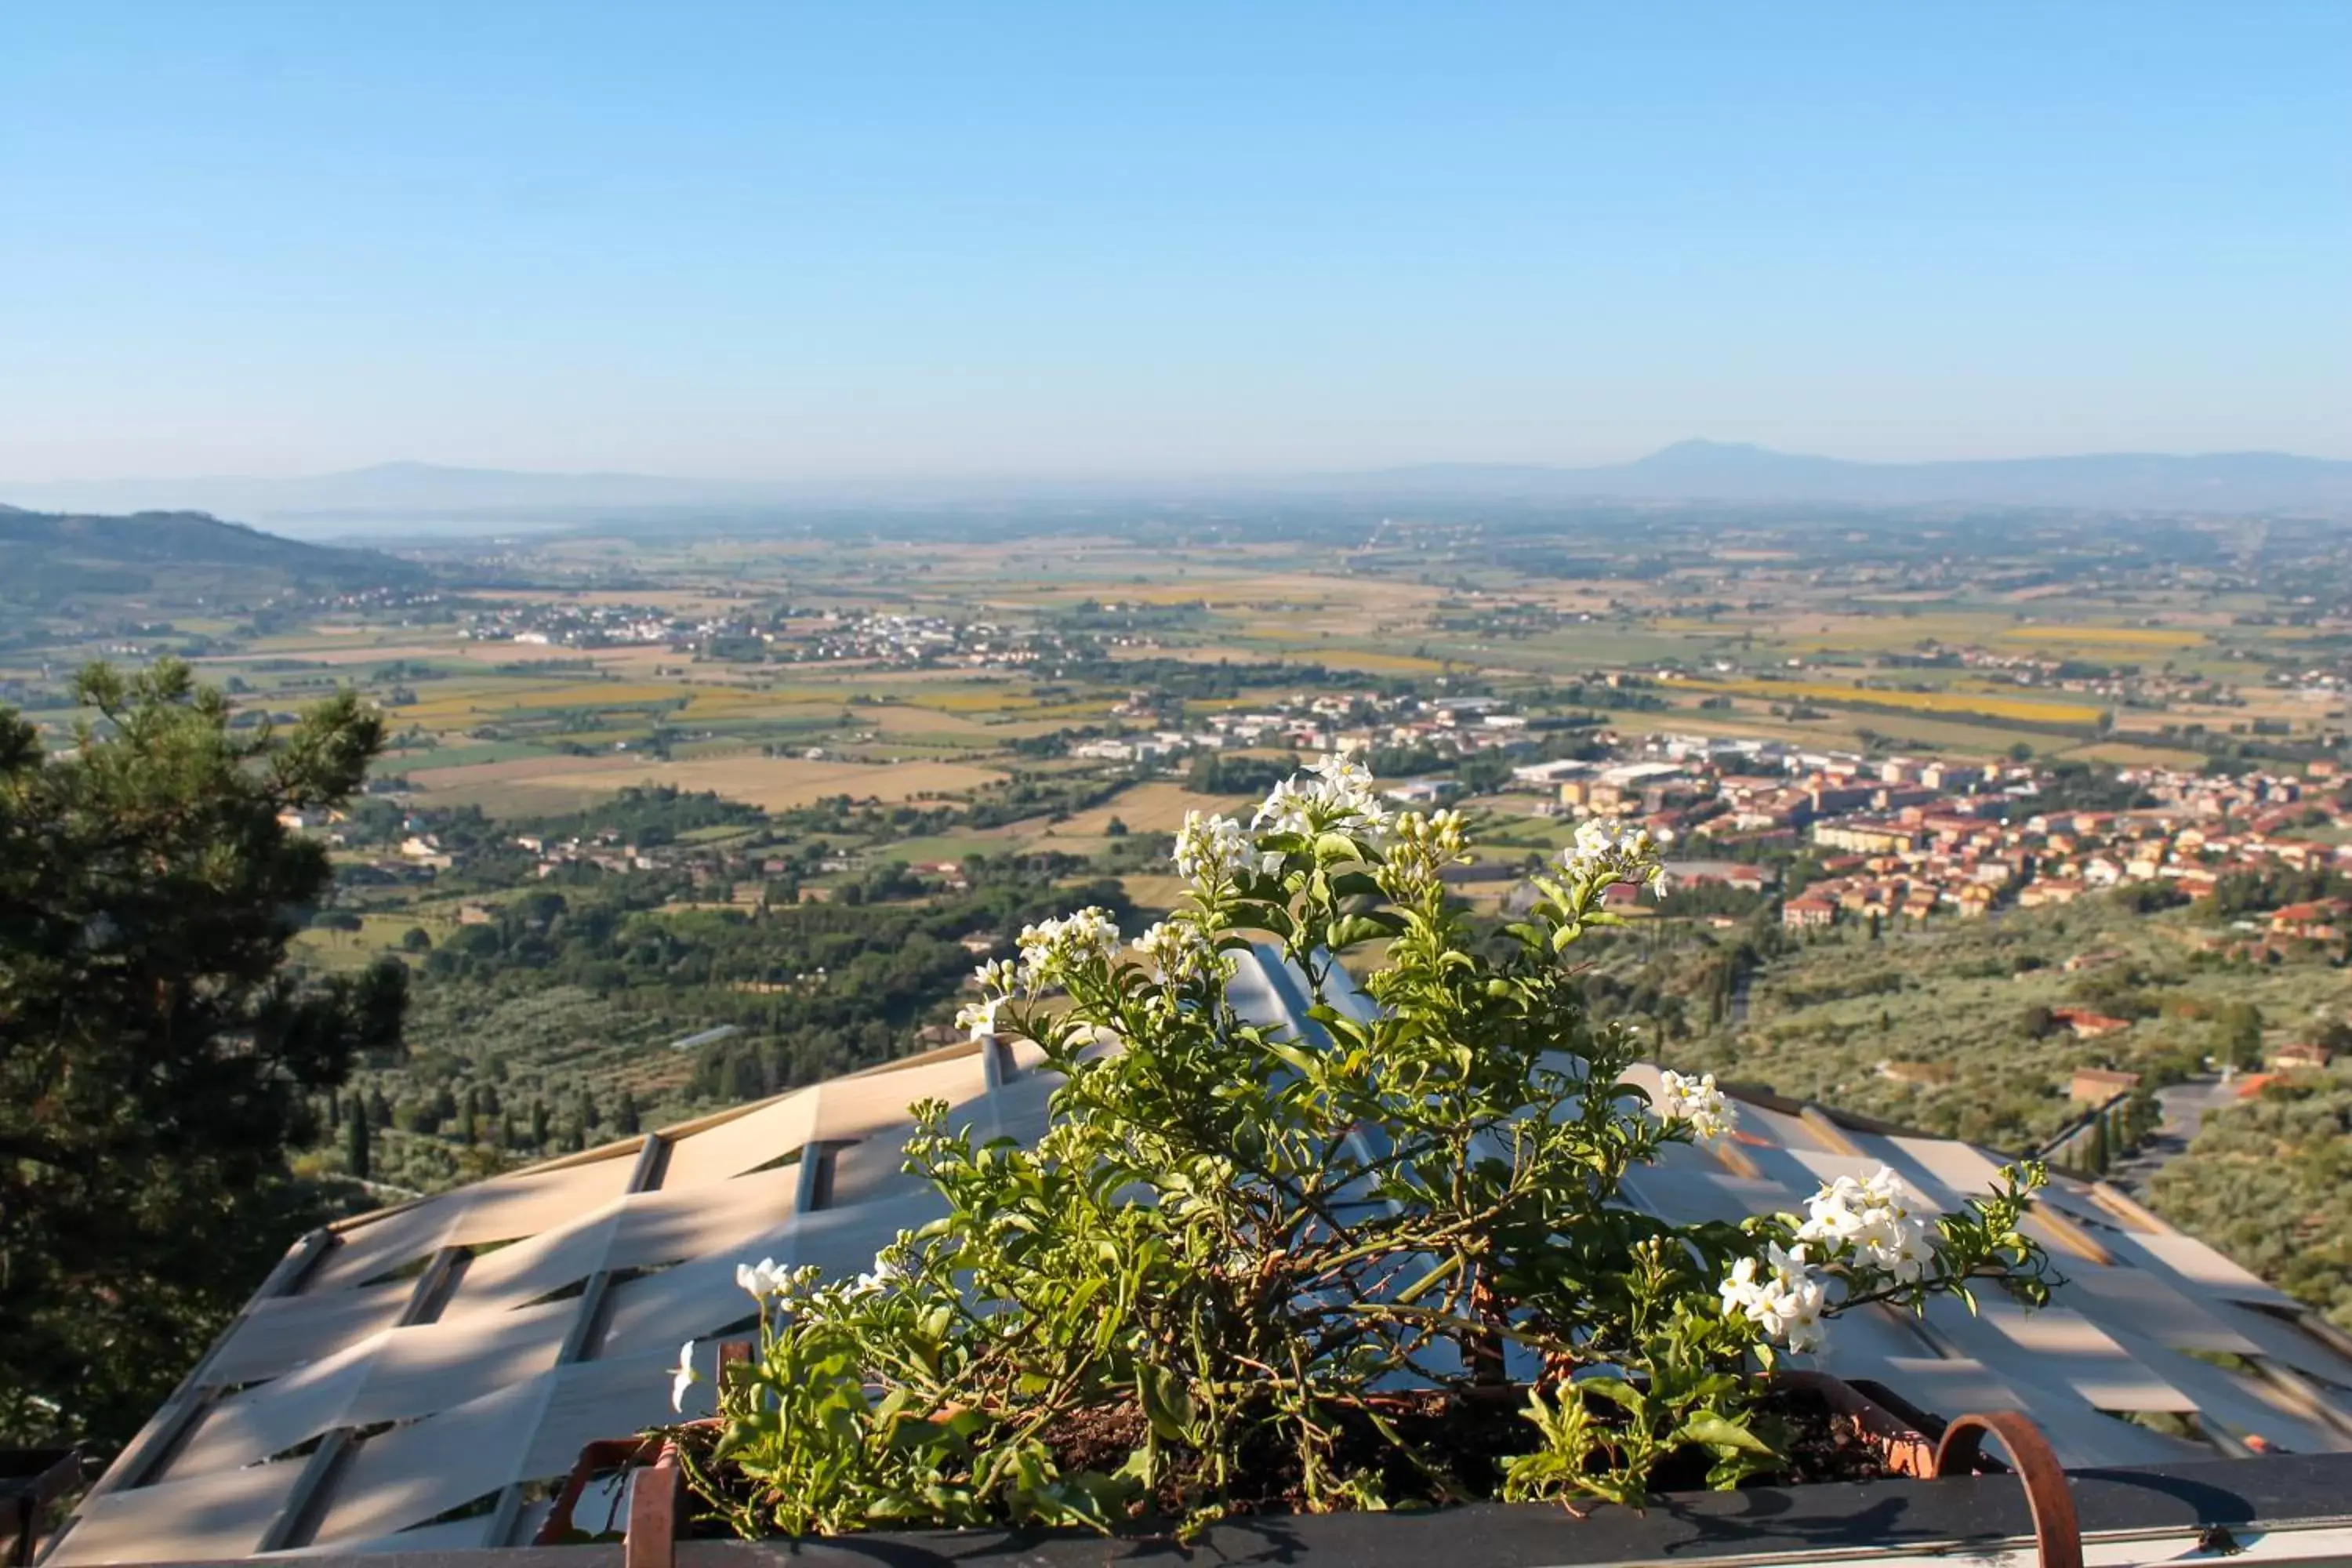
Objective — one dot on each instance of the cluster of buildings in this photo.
(1897, 836)
(572, 624)
(1741, 789)
(908, 642)
(381, 600)
(606, 851)
(414, 849)
(1919, 861)
(2125, 682)
(1911, 838)
(1155, 746)
(785, 635)
(1329, 722)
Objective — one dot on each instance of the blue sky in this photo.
(770, 240)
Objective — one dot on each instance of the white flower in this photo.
(1286, 807)
(1052, 950)
(1780, 1295)
(684, 1378)
(998, 976)
(1602, 856)
(1696, 1102)
(1869, 1221)
(1906, 1254)
(1347, 790)
(1212, 850)
(978, 1019)
(1340, 800)
(761, 1280)
(1342, 773)
(875, 1281)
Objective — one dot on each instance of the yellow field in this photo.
(598, 694)
(2009, 708)
(905, 721)
(795, 703)
(483, 701)
(1356, 658)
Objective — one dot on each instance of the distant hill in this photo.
(48, 558)
(396, 498)
(1714, 471)
(388, 492)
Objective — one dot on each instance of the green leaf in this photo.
(1167, 1402)
(1616, 1390)
(1336, 848)
(1339, 1024)
(1294, 1056)
(1717, 1431)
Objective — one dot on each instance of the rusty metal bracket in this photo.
(652, 1540)
(613, 1454)
(2057, 1531)
(665, 1474)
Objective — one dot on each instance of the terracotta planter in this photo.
(1906, 1450)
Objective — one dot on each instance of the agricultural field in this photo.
(1984, 704)
(773, 783)
(777, 782)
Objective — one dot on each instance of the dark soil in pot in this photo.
(1463, 1441)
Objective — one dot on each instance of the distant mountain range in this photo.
(1715, 470)
(400, 495)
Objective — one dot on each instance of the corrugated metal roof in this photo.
(414, 1377)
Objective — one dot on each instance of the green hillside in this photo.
(49, 559)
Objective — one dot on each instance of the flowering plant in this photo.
(1239, 1247)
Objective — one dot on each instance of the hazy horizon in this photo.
(759, 244)
(1173, 474)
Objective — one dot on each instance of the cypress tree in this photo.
(356, 1138)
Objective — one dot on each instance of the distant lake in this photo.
(317, 528)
